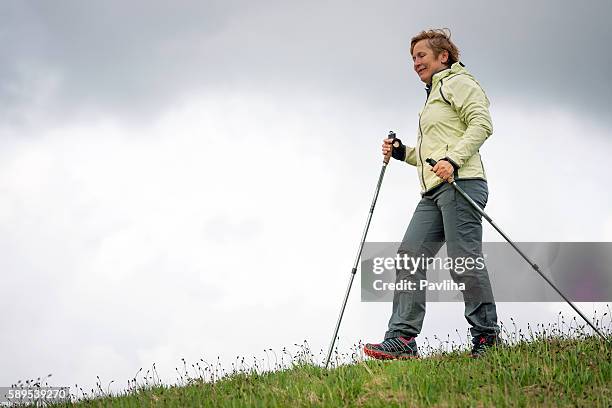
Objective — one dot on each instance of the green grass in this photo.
(536, 372)
(560, 364)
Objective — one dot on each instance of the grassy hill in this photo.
(536, 372)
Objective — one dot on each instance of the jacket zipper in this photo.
(421, 141)
(421, 157)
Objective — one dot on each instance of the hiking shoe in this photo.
(396, 348)
(480, 344)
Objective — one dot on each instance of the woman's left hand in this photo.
(443, 169)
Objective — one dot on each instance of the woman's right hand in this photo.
(387, 148)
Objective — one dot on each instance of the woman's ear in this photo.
(444, 57)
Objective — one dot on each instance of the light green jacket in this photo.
(453, 124)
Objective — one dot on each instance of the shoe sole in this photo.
(482, 354)
(381, 355)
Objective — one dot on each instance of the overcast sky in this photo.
(191, 179)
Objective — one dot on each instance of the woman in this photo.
(453, 124)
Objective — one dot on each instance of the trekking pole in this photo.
(363, 237)
(451, 180)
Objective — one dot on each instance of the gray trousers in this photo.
(443, 215)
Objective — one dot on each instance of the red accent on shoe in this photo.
(405, 340)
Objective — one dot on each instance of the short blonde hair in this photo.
(438, 40)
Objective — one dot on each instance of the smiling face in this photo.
(425, 63)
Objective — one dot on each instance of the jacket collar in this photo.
(443, 73)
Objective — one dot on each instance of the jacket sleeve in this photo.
(410, 156)
(472, 105)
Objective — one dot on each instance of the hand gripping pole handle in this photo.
(393, 136)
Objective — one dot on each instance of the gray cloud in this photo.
(134, 59)
(117, 57)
